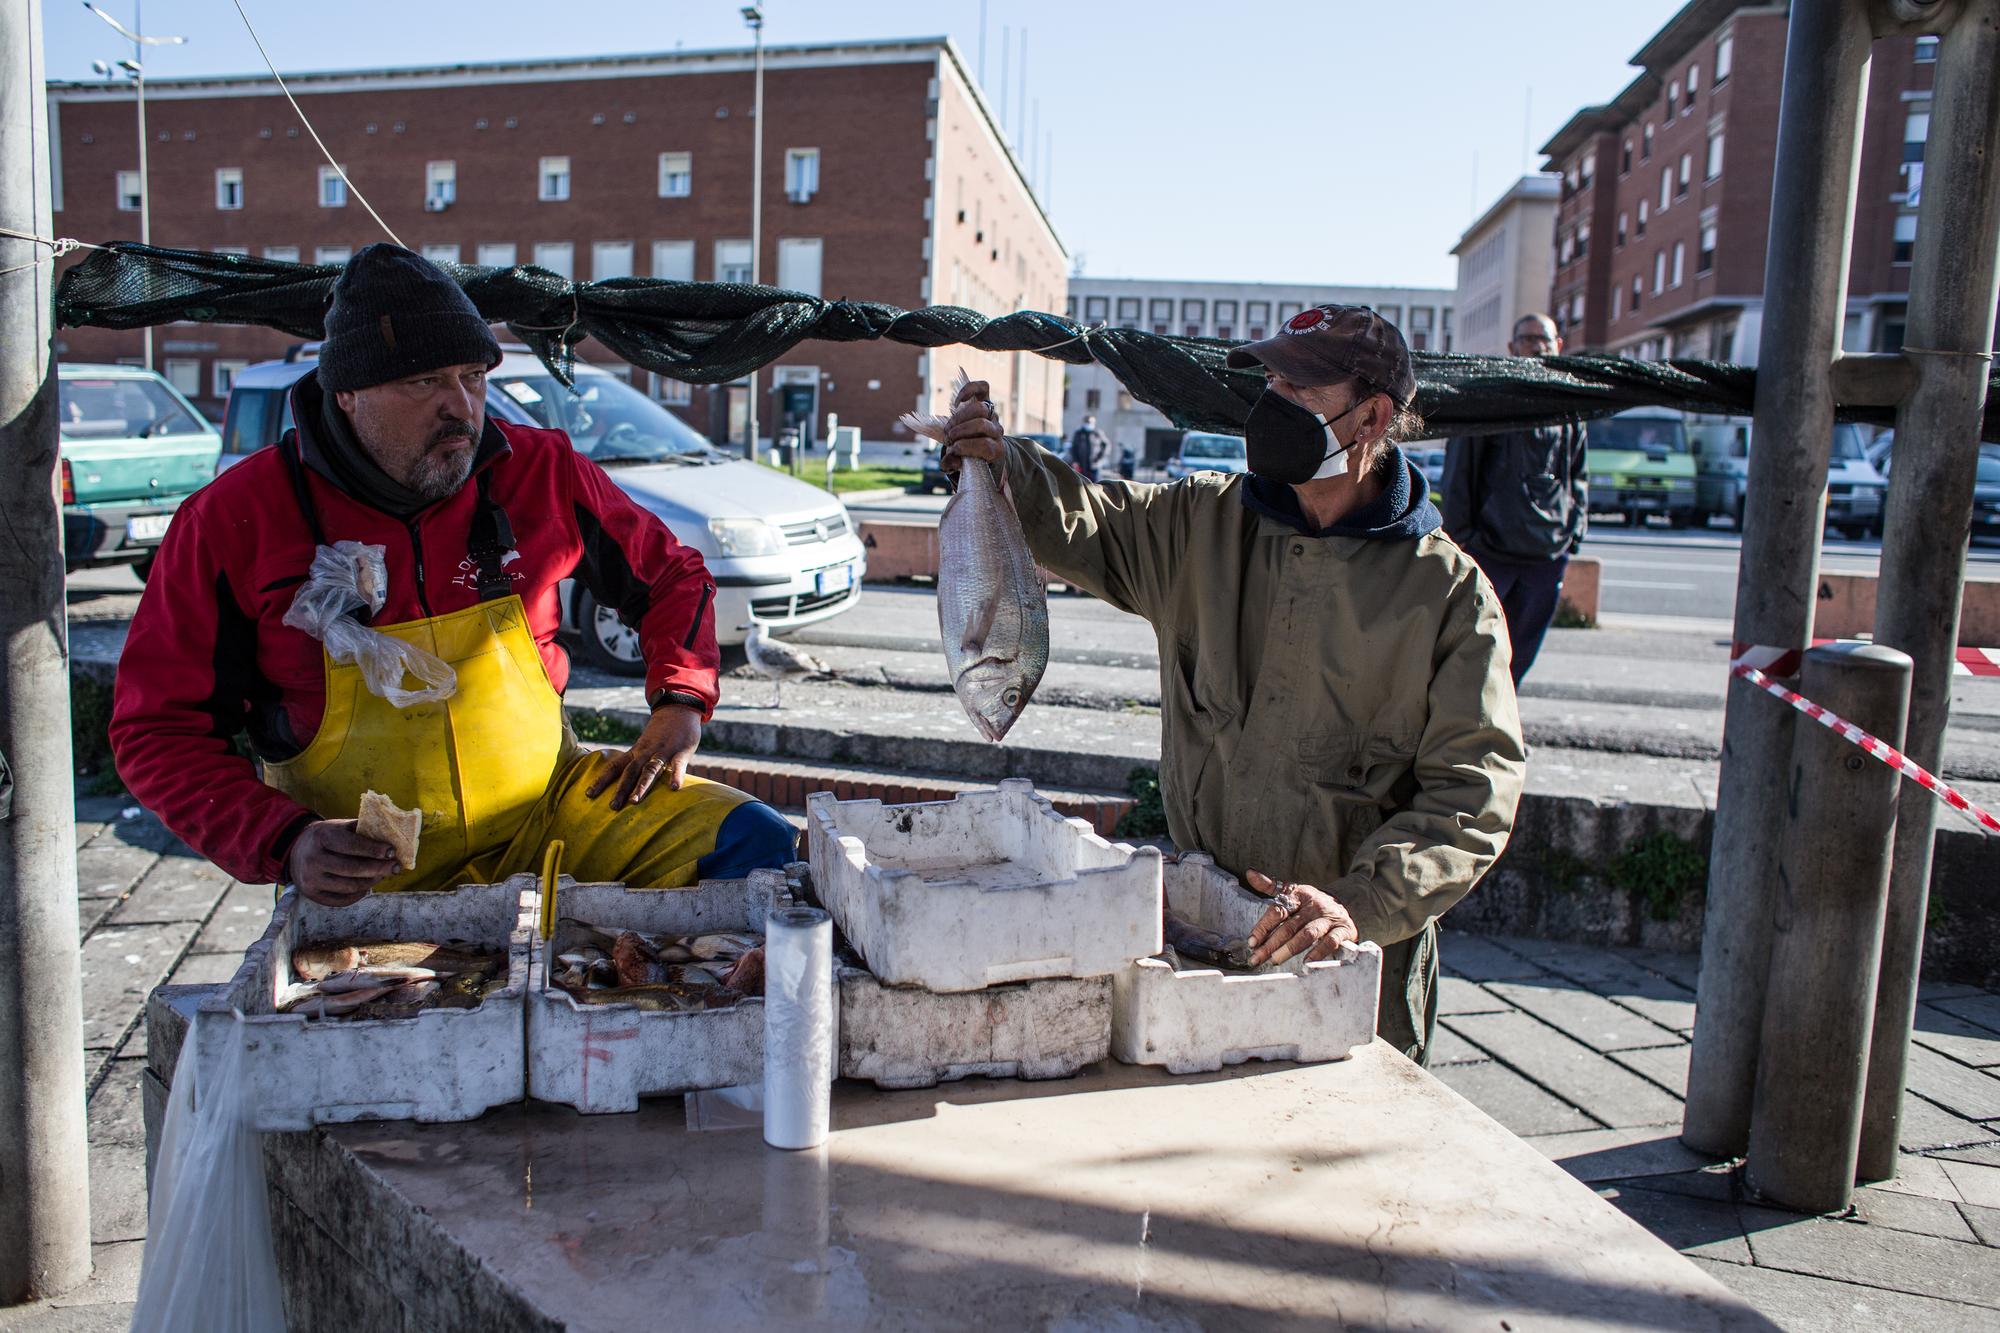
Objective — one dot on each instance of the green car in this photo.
(1640, 464)
(132, 450)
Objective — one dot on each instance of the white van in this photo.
(780, 551)
(1854, 485)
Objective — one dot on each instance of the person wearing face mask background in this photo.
(1339, 727)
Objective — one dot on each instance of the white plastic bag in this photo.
(349, 575)
(209, 1265)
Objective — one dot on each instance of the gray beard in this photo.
(438, 475)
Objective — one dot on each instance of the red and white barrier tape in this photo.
(1785, 661)
(1881, 749)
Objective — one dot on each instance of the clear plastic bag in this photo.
(345, 577)
(209, 1264)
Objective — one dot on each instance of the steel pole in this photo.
(756, 210)
(1954, 284)
(1826, 938)
(1805, 284)
(44, 1158)
(145, 177)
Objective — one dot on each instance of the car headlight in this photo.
(1600, 479)
(745, 536)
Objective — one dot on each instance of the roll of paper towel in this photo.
(798, 1027)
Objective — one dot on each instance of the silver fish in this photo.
(993, 611)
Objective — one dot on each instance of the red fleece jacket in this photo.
(209, 656)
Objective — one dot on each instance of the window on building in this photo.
(732, 261)
(497, 254)
(1638, 291)
(674, 260)
(284, 254)
(1565, 249)
(1257, 314)
(1625, 159)
(1687, 173)
(1905, 238)
(1421, 318)
(1588, 171)
(1673, 97)
(232, 250)
(1616, 292)
(128, 192)
(1092, 398)
(1286, 309)
(1225, 313)
(1643, 207)
(1128, 312)
(1666, 187)
(1392, 313)
(799, 262)
(1659, 271)
(332, 254)
(801, 174)
(554, 179)
(1704, 259)
(184, 373)
(677, 181)
(1194, 315)
(332, 189)
(1646, 142)
(1725, 51)
(1926, 50)
(1680, 262)
(610, 259)
(1694, 79)
(1069, 305)
(1713, 166)
(229, 187)
(1916, 129)
(1097, 309)
(441, 254)
(223, 374)
(1576, 310)
(1445, 326)
(1582, 240)
(1573, 180)
(667, 389)
(1620, 235)
(440, 185)
(1161, 313)
(558, 257)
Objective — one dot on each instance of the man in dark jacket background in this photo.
(1089, 448)
(1517, 504)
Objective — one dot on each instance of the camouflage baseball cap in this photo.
(1326, 344)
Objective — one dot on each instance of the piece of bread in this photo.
(382, 821)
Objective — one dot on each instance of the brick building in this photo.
(886, 178)
(1665, 212)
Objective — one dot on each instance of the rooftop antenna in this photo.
(982, 43)
(1006, 43)
(1527, 119)
(1475, 184)
(1021, 103)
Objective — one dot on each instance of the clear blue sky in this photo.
(1324, 141)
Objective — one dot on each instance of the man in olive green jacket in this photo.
(1339, 725)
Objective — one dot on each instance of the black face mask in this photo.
(1287, 443)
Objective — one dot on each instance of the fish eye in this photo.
(1011, 698)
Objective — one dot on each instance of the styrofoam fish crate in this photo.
(604, 1057)
(1201, 1018)
(987, 888)
(440, 1064)
(898, 1037)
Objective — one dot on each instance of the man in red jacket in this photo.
(443, 536)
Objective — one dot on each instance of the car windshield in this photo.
(123, 409)
(1637, 434)
(1847, 444)
(1989, 463)
(1212, 446)
(606, 419)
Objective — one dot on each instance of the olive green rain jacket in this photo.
(1336, 709)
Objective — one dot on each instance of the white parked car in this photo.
(781, 552)
(1202, 452)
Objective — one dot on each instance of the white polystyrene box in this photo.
(605, 1057)
(900, 1037)
(1201, 1018)
(987, 888)
(440, 1064)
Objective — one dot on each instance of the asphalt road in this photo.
(1653, 571)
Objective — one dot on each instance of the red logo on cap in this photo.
(1306, 320)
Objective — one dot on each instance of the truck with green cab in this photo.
(1641, 465)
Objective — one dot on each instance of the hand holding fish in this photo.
(335, 866)
(974, 430)
(1301, 919)
(663, 749)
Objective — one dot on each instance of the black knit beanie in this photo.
(395, 313)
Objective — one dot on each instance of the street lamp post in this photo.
(755, 18)
(137, 72)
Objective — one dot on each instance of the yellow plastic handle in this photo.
(551, 870)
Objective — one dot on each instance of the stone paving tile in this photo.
(85, 831)
(92, 1062)
(110, 872)
(117, 1192)
(176, 888)
(1802, 1302)
(1610, 1093)
(120, 965)
(1976, 1184)
(1927, 991)
(1643, 1151)
(1456, 995)
(206, 969)
(1875, 1257)
(240, 920)
(116, 1116)
(90, 913)
(1448, 1048)
(1925, 1127)
(1981, 1007)
(1684, 969)
(114, 1276)
(115, 1318)
(1960, 1090)
(1700, 1228)
(1920, 1175)
(1716, 1182)
(1985, 1222)
(1948, 1034)
(1481, 958)
(1911, 1212)
(144, 832)
(1615, 977)
(1510, 1099)
(1591, 1019)
(1665, 1065)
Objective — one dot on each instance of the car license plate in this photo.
(838, 579)
(147, 527)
